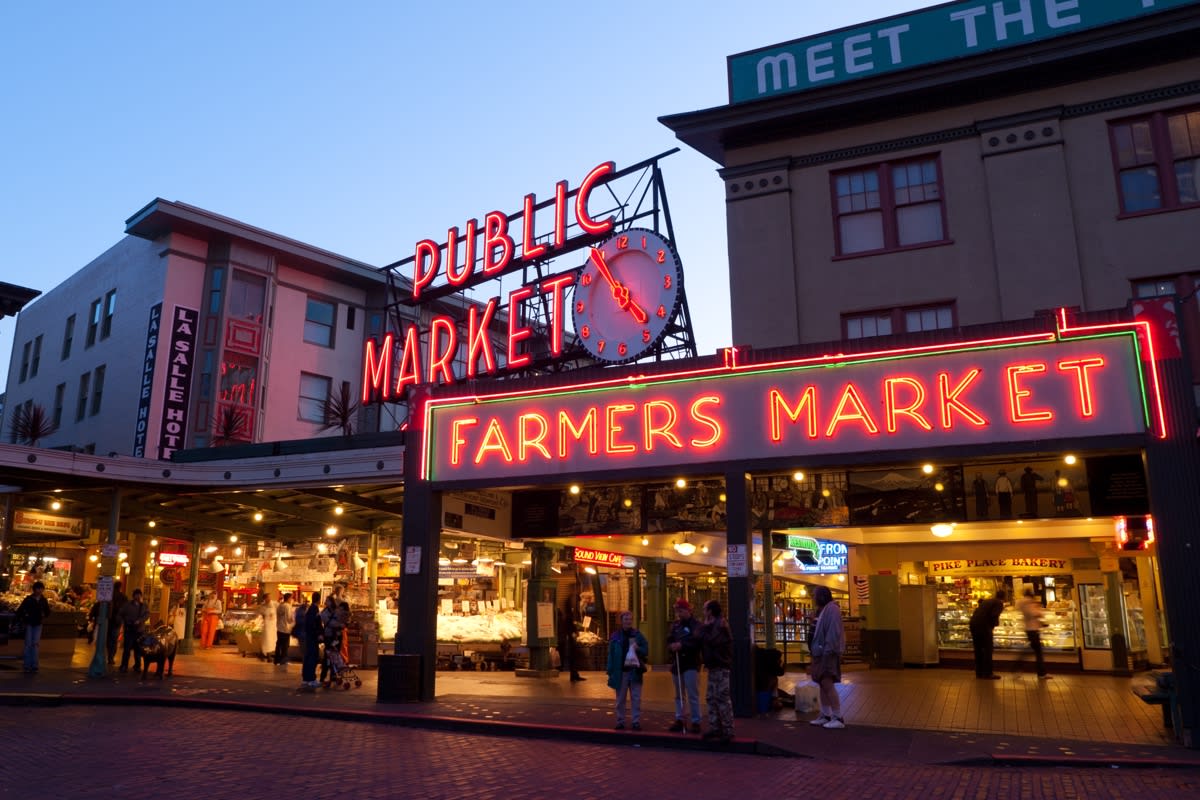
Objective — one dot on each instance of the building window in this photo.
(350, 315)
(888, 206)
(82, 403)
(1160, 287)
(93, 322)
(214, 291)
(866, 325)
(25, 351)
(68, 337)
(1157, 159)
(247, 296)
(36, 361)
(97, 389)
(110, 306)
(318, 322)
(60, 393)
(314, 391)
(903, 320)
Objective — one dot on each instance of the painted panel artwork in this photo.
(906, 496)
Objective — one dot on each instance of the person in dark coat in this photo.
(627, 654)
(133, 616)
(983, 624)
(683, 649)
(313, 629)
(716, 648)
(568, 650)
(114, 628)
(32, 612)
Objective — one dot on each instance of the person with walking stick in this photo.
(685, 665)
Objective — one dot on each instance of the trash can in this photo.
(399, 679)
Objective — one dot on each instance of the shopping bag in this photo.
(808, 697)
(631, 657)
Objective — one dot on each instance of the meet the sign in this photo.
(965, 395)
(928, 36)
(26, 521)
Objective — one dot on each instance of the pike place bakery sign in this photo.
(999, 566)
(1031, 387)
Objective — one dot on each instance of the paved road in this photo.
(148, 752)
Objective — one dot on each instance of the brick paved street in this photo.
(83, 752)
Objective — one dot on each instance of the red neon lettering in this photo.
(610, 419)
(457, 440)
(586, 223)
(892, 409)
(377, 369)
(665, 430)
(712, 423)
(777, 403)
(453, 275)
(425, 265)
(529, 250)
(478, 341)
(948, 400)
(1080, 367)
(587, 425)
(851, 396)
(442, 328)
(1017, 393)
(516, 331)
(555, 286)
(494, 442)
(526, 442)
(560, 214)
(495, 237)
(410, 361)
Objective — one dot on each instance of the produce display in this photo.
(503, 626)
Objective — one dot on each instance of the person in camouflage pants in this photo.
(716, 648)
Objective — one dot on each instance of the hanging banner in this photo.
(177, 394)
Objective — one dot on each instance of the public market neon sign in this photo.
(1073, 382)
(470, 257)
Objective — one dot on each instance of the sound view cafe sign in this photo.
(1058, 384)
(471, 256)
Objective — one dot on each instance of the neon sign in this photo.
(603, 558)
(467, 258)
(1025, 388)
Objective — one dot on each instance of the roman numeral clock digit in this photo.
(628, 291)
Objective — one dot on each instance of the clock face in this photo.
(628, 290)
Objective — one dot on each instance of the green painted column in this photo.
(654, 627)
(188, 645)
(108, 568)
(541, 594)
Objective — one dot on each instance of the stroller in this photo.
(340, 672)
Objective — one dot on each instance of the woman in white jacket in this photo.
(826, 646)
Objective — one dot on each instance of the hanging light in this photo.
(56, 505)
(927, 469)
(218, 564)
(680, 483)
(590, 570)
(574, 488)
(1070, 459)
(339, 510)
(628, 502)
(151, 524)
(797, 476)
(941, 529)
(645, 541)
(154, 542)
(233, 538)
(331, 530)
(258, 516)
(703, 548)
(358, 561)
(684, 548)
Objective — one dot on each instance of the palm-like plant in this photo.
(30, 425)
(340, 409)
(229, 426)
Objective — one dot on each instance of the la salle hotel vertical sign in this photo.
(177, 394)
(1021, 388)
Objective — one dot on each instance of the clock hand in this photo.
(619, 290)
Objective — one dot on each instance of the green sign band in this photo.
(941, 33)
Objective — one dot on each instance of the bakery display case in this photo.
(1093, 614)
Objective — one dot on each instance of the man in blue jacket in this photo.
(683, 648)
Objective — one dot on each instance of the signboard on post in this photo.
(104, 589)
(735, 560)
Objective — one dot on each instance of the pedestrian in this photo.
(983, 624)
(283, 629)
(627, 654)
(335, 615)
(213, 609)
(312, 642)
(826, 646)
(133, 617)
(32, 613)
(568, 657)
(266, 610)
(683, 647)
(114, 628)
(1032, 611)
(716, 650)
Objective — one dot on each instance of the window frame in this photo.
(93, 323)
(1164, 160)
(68, 338)
(60, 397)
(81, 404)
(899, 318)
(25, 353)
(330, 327)
(302, 399)
(97, 389)
(109, 310)
(887, 206)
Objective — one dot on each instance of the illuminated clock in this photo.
(628, 291)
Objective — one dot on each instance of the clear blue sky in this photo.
(361, 127)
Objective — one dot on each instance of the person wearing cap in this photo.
(716, 648)
(133, 616)
(684, 650)
(33, 611)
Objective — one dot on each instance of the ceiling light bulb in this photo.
(645, 541)
(1070, 459)
(927, 469)
(680, 483)
(237, 551)
(93, 558)
(122, 556)
(233, 537)
(797, 476)
(628, 503)
(685, 548)
(56, 505)
(574, 488)
(941, 530)
(331, 530)
(703, 548)
(258, 516)
(212, 548)
(338, 510)
(721, 497)
(154, 542)
(151, 524)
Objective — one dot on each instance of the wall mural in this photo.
(817, 500)
(906, 496)
(1027, 490)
